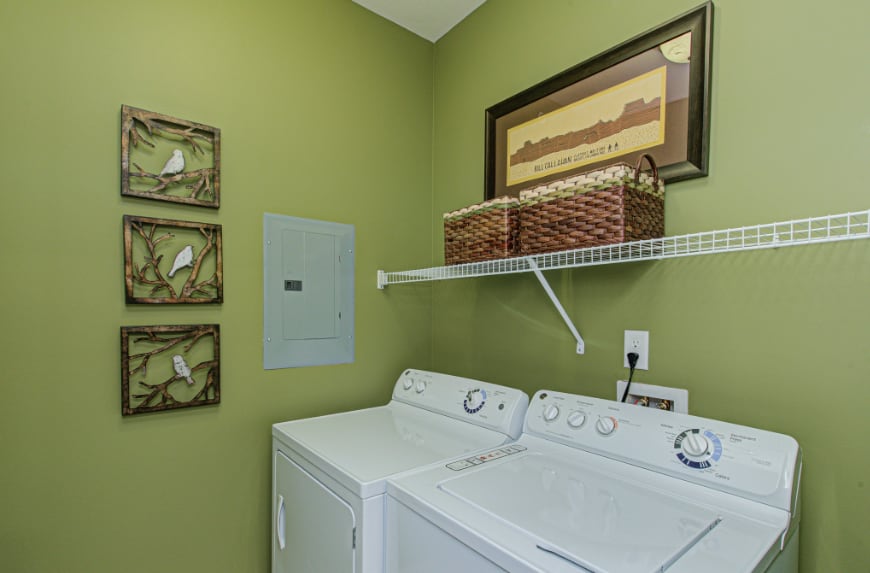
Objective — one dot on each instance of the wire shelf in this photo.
(826, 229)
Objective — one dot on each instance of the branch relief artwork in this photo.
(169, 367)
(168, 261)
(169, 159)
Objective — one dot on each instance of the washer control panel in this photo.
(750, 462)
(490, 405)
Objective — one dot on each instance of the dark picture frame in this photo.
(146, 172)
(167, 367)
(574, 121)
(167, 261)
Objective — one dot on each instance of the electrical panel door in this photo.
(308, 292)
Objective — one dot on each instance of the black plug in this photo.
(632, 362)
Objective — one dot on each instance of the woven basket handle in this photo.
(655, 170)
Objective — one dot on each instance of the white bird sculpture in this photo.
(183, 259)
(174, 165)
(181, 368)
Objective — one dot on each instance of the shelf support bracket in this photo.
(581, 347)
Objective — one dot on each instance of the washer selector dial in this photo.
(576, 419)
(606, 425)
(698, 449)
(696, 445)
(407, 383)
(420, 386)
(474, 400)
(551, 412)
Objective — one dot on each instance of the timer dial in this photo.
(420, 386)
(698, 449)
(696, 445)
(407, 383)
(474, 400)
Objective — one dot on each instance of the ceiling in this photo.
(430, 19)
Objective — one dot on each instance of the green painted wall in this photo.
(326, 113)
(770, 339)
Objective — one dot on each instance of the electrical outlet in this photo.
(637, 341)
(651, 396)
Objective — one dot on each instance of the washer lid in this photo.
(600, 521)
(361, 448)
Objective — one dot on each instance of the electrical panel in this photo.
(308, 295)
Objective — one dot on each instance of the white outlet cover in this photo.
(636, 341)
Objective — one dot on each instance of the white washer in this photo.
(604, 487)
(329, 472)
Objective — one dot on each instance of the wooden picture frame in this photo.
(172, 159)
(576, 120)
(169, 367)
(165, 261)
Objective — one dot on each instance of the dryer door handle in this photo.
(279, 523)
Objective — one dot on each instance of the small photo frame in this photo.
(169, 367)
(169, 159)
(172, 262)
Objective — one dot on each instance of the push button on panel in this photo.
(460, 465)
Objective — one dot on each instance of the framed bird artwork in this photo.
(168, 261)
(169, 367)
(169, 159)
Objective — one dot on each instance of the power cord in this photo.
(632, 362)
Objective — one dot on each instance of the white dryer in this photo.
(604, 487)
(329, 473)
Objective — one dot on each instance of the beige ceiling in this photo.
(430, 19)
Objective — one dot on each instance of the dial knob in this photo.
(407, 383)
(420, 386)
(576, 419)
(551, 412)
(605, 425)
(695, 445)
(475, 399)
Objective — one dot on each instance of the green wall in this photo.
(775, 339)
(326, 113)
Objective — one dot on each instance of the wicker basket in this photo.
(482, 232)
(612, 205)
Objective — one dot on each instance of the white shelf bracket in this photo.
(382, 279)
(581, 347)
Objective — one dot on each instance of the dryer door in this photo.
(314, 528)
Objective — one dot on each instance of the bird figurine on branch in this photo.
(183, 259)
(182, 370)
(174, 165)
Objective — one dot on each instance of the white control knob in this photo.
(407, 383)
(576, 419)
(605, 425)
(420, 386)
(695, 445)
(551, 412)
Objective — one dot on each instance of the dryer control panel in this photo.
(749, 462)
(489, 405)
